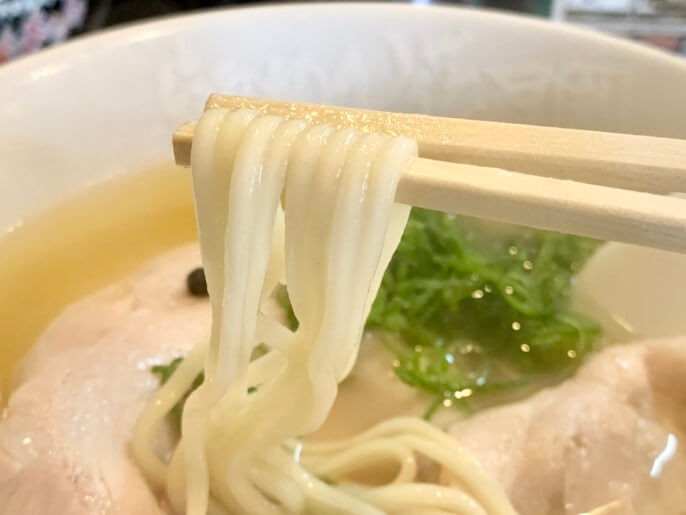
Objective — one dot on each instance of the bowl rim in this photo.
(51, 60)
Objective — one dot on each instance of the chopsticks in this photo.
(601, 185)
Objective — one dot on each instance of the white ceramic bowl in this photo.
(108, 103)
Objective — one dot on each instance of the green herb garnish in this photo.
(164, 372)
(282, 298)
(469, 314)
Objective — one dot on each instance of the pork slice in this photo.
(604, 438)
(65, 432)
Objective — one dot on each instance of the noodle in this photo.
(241, 449)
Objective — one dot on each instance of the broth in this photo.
(82, 244)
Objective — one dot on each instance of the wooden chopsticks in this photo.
(601, 185)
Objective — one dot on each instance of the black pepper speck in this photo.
(196, 283)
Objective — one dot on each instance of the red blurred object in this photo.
(26, 26)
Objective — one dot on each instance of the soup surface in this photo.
(83, 244)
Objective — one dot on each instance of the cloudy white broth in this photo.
(473, 329)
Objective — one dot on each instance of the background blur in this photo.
(28, 25)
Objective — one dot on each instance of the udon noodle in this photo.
(242, 448)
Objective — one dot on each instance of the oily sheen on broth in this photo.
(82, 244)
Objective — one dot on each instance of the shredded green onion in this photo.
(477, 313)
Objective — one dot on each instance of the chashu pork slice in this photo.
(65, 432)
(609, 439)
